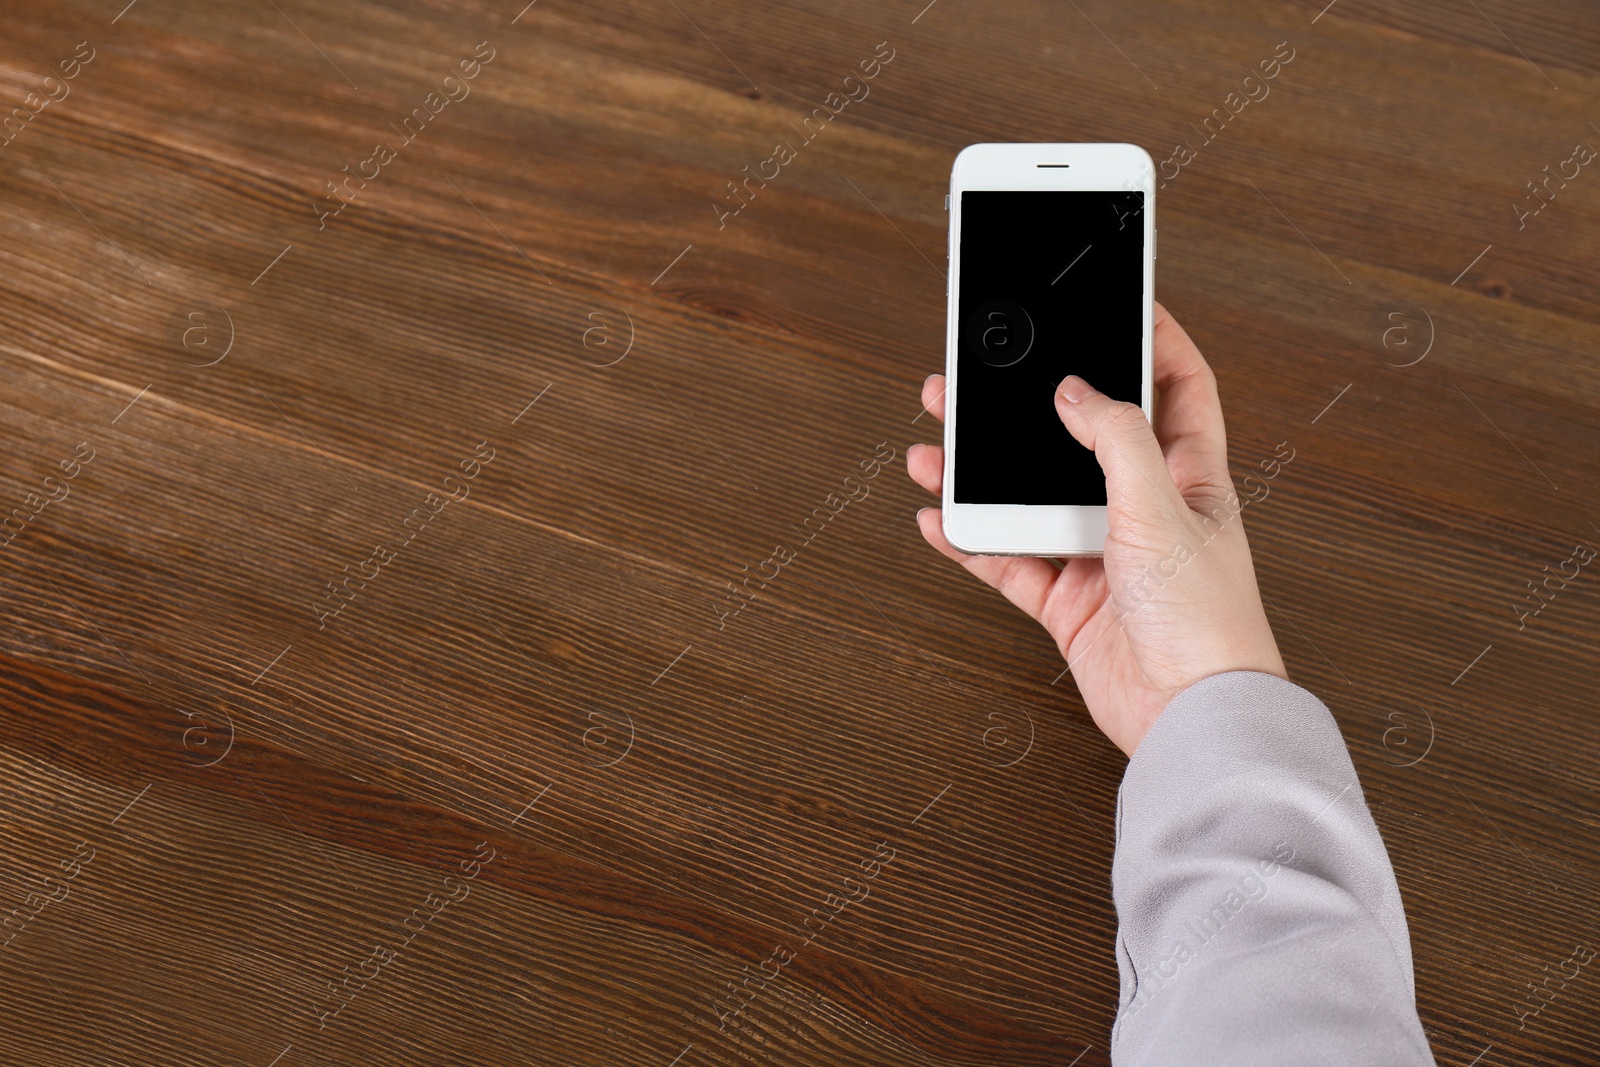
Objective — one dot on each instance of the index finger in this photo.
(933, 396)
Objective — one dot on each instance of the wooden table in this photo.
(386, 440)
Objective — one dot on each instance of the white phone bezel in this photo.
(1028, 529)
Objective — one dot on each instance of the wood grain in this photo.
(539, 672)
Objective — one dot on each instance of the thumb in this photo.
(1138, 483)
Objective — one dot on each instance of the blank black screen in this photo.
(1050, 284)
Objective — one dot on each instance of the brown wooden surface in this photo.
(541, 669)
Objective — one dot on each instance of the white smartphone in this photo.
(1052, 272)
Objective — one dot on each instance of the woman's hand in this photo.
(1174, 598)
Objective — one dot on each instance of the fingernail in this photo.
(920, 511)
(1074, 389)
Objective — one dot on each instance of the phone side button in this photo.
(1155, 236)
(947, 201)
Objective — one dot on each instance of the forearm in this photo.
(1259, 919)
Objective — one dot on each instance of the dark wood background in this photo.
(212, 809)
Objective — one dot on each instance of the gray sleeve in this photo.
(1258, 917)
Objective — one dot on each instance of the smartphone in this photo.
(1052, 272)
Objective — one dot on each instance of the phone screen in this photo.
(1051, 283)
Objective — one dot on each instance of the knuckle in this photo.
(1124, 419)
